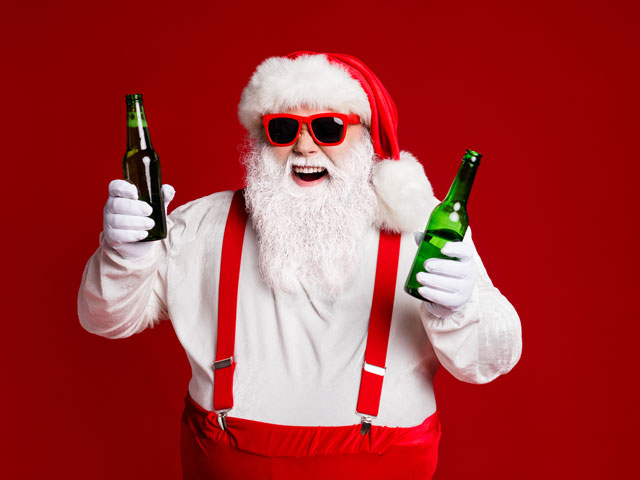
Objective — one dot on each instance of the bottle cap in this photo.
(472, 157)
(134, 97)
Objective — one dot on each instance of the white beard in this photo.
(311, 235)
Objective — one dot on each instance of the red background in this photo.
(546, 90)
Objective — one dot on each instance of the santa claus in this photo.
(307, 357)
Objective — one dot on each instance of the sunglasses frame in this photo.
(347, 119)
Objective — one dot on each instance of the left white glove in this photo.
(447, 285)
(125, 220)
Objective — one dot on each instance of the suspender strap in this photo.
(379, 326)
(224, 364)
(379, 321)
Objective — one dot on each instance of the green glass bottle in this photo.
(141, 166)
(448, 221)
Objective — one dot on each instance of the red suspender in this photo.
(224, 364)
(379, 321)
(375, 356)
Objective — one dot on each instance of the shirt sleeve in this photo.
(120, 297)
(481, 341)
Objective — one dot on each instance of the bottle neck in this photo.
(137, 131)
(461, 186)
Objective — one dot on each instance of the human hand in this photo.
(447, 285)
(126, 221)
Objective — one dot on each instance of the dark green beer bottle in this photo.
(141, 166)
(448, 221)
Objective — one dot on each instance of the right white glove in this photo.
(126, 221)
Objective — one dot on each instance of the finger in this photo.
(446, 299)
(128, 222)
(127, 206)
(450, 268)
(120, 237)
(418, 237)
(440, 282)
(122, 188)
(168, 192)
(463, 251)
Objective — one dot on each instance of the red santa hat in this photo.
(343, 83)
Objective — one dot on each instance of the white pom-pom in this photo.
(405, 196)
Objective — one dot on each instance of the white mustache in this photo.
(319, 160)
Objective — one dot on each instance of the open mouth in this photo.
(309, 174)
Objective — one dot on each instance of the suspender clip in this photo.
(366, 424)
(369, 367)
(222, 418)
(227, 362)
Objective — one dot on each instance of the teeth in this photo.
(299, 169)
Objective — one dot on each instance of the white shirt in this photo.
(299, 357)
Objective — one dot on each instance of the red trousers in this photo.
(254, 450)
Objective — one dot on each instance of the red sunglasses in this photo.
(327, 129)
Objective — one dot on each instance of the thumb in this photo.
(168, 192)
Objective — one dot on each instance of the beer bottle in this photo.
(141, 166)
(448, 221)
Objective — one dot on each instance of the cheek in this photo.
(281, 154)
(338, 154)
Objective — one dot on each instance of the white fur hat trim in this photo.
(405, 196)
(280, 84)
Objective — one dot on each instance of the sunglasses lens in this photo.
(328, 129)
(283, 130)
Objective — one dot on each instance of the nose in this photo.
(305, 145)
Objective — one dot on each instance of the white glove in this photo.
(125, 219)
(448, 284)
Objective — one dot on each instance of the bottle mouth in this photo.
(134, 97)
(472, 156)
